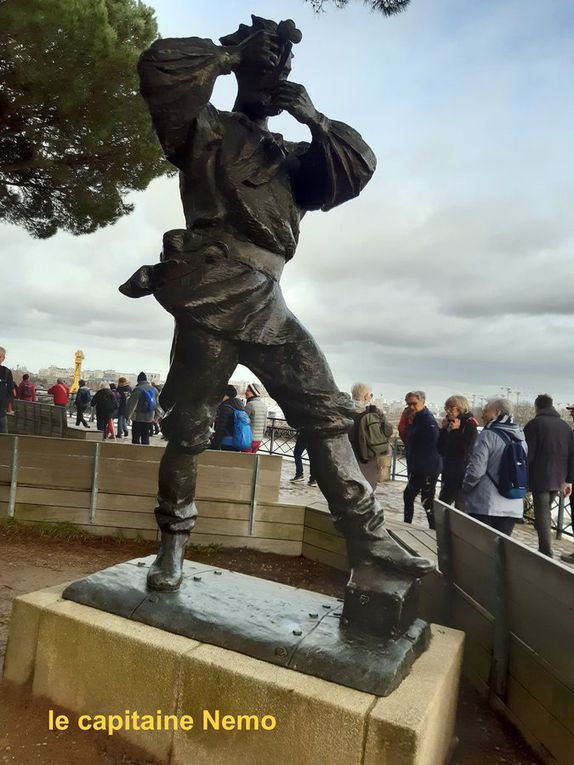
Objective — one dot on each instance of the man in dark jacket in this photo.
(423, 459)
(224, 420)
(550, 465)
(6, 391)
(82, 403)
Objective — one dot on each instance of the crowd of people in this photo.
(486, 472)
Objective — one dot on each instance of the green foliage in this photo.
(387, 7)
(75, 136)
(210, 549)
(119, 536)
(58, 530)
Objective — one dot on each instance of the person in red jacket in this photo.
(27, 389)
(60, 392)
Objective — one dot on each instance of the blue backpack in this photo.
(148, 400)
(83, 396)
(513, 470)
(242, 436)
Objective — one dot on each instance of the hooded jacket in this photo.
(224, 421)
(124, 391)
(421, 444)
(481, 494)
(550, 451)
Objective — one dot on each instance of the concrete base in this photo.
(93, 663)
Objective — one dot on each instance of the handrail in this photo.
(279, 438)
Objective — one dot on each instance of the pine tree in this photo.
(387, 7)
(75, 136)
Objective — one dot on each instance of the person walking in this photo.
(6, 391)
(106, 408)
(257, 411)
(82, 403)
(124, 391)
(60, 393)
(423, 459)
(140, 409)
(371, 432)
(455, 441)
(298, 449)
(550, 465)
(481, 484)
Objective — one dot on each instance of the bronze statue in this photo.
(244, 191)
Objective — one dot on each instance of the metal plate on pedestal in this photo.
(269, 621)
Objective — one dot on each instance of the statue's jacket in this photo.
(244, 191)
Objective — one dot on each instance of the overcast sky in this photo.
(452, 272)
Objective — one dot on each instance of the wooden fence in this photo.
(39, 419)
(109, 488)
(515, 605)
(517, 609)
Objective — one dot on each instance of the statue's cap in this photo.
(285, 30)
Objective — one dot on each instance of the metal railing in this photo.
(279, 438)
(399, 470)
(561, 510)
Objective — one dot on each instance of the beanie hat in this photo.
(142, 377)
(231, 391)
(254, 388)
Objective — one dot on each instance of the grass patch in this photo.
(210, 549)
(65, 530)
(62, 530)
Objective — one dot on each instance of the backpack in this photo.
(371, 440)
(513, 469)
(148, 399)
(242, 437)
(27, 390)
(83, 396)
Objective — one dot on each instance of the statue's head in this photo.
(256, 82)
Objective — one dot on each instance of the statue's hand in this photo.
(260, 51)
(293, 98)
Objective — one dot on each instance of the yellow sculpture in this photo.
(77, 372)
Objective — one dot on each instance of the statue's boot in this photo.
(166, 571)
(371, 543)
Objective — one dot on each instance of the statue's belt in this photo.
(178, 264)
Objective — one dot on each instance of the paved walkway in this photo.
(390, 496)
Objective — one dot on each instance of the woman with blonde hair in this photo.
(456, 439)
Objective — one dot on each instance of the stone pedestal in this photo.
(90, 662)
(385, 607)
